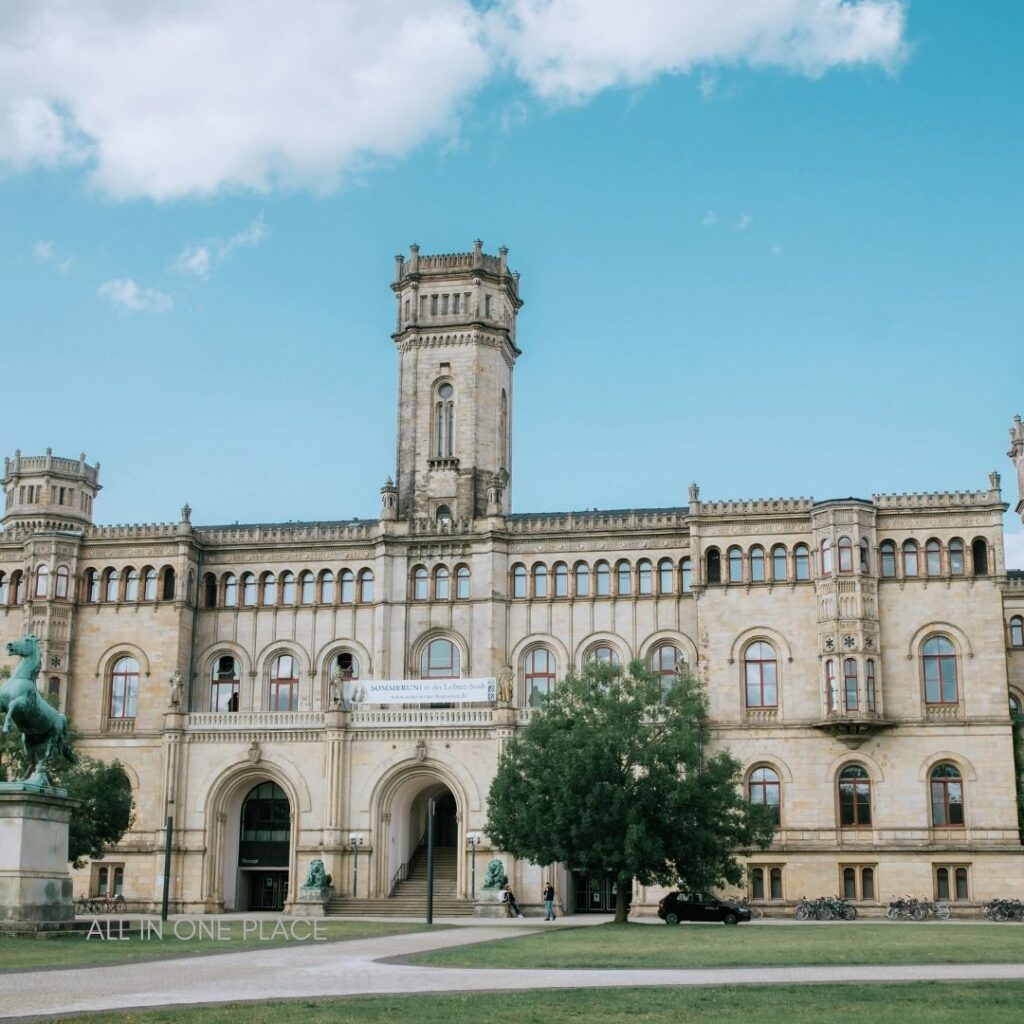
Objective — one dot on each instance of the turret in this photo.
(44, 492)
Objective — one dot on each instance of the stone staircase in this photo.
(410, 898)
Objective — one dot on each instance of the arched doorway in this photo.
(256, 875)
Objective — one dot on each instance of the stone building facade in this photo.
(861, 655)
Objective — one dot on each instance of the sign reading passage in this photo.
(423, 691)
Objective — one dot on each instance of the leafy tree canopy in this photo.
(613, 775)
(106, 811)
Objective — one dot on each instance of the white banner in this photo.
(421, 691)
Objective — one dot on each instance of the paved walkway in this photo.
(354, 968)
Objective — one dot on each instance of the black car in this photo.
(698, 906)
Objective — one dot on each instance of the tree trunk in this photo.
(624, 891)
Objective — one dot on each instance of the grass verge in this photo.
(918, 1003)
(27, 954)
(713, 945)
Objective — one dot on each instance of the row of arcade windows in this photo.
(129, 584)
(603, 580)
(853, 795)
(758, 566)
(269, 589)
(906, 562)
(44, 584)
(439, 585)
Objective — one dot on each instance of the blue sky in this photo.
(777, 252)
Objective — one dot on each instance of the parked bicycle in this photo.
(1003, 910)
(756, 912)
(85, 905)
(825, 908)
(910, 908)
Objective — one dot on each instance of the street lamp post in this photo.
(356, 840)
(474, 839)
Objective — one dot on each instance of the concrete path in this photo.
(353, 968)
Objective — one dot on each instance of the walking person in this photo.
(548, 895)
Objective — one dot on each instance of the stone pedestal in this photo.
(312, 901)
(35, 884)
(488, 903)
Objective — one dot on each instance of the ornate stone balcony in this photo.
(417, 718)
(852, 728)
(123, 726)
(232, 721)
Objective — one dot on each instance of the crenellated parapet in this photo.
(597, 521)
(288, 533)
(755, 506)
(47, 492)
(935, 500)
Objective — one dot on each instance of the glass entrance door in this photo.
(267, 889)
(594, 894)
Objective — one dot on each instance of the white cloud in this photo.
(709, 219)
(46, 254)
(744, 222)
(1014, 550)
(201, 96)
(200, 259)
(127, 297)
(568, 50)
(707, 82)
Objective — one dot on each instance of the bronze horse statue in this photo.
(44, 731)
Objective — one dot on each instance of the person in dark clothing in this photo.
(508, 897)
(548, 896)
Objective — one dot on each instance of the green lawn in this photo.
(715, 945)
(27, 954)
(944, 1003)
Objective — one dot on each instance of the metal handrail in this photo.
(403, 871)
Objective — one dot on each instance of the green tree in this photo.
(613, 776)
(107, 809)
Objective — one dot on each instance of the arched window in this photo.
(1015, 705)
(519, 580)
(307, 587)
(124, 688)
(443, 514)
(442, 583)
(665, 576)
(347, 585)
(287, 588)
(18, 586)
(268, 589)
(766, 791)
(42, 581)
(169, 584)
(265, 815)
(831, 687)
(979, 554)
(845, 554)
(582, 579)
(854, 797)
(685, 576)
(603, 577)
(869, 684)
(664, 660)
(327, 587)
(947, 796)
(735, 565)
(933, 557)
(444, 422)
(503, 430)
(539, 675)
(850, 700)
(440, 660)
(540, 580)
(561, 579)
(131, 584)
(209, 590)
(713, 565)
(939, 662)
(224, 684)
(149, 584)
(802, 562)
(624, 578)
(1017, 631)
(284, 683)
(644, 577)
(826, 557)
(5, 588)
(779, 568)
(865, 559)
(910, 558)
(956, 557)
(111, 585)
(63, 580)
(603, 654)
(887, 549)
(760, 671)
(347, 664)
(462, 582)
(366, 586)
(757, 564)
(249, 590)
